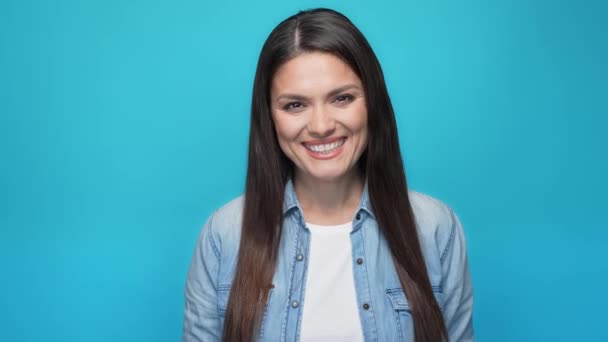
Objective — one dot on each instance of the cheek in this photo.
(287, 128)
(285, 135)
(357, 119)
(358, 124)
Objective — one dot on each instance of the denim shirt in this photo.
(383, 307)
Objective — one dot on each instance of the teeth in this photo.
(325, 148)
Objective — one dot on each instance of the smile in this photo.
(325, 148)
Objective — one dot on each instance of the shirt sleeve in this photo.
(457, 285)
(201, 318)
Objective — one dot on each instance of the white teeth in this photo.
(325, 148)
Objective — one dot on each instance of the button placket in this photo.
(296, 287)
(362, 286)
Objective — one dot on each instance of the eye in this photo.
(293, 106)
(344, 98)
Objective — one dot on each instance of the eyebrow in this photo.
(331, 94)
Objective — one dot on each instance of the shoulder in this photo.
(224, 225)
(436, 221)
(428, 207)
(230, 213)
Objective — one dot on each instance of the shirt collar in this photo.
(290, 200)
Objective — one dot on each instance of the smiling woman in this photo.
(327, 243)
(320, 115)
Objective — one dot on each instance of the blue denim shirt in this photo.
(383, 307)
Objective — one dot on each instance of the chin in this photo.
(328, 176)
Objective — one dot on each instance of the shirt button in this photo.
(358, 217)
(300, 257)
(359, 261)
(295, 304)
(366, 306)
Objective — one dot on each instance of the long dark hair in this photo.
(268, 170)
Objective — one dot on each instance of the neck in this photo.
(329, 202)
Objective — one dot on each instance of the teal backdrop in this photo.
(123, 124)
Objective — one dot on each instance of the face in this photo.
(320, 115)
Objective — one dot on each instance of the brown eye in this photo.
(345, 98)
(292, 106)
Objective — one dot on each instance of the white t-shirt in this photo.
(330, 311)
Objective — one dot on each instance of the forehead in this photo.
(313, 72)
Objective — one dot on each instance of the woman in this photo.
(327, 243)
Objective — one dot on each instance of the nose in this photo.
(321, 123)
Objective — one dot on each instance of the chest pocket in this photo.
(402, 312)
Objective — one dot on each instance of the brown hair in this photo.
(268, 171)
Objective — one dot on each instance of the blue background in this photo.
(124, 124)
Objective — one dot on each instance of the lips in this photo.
(326, 148)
